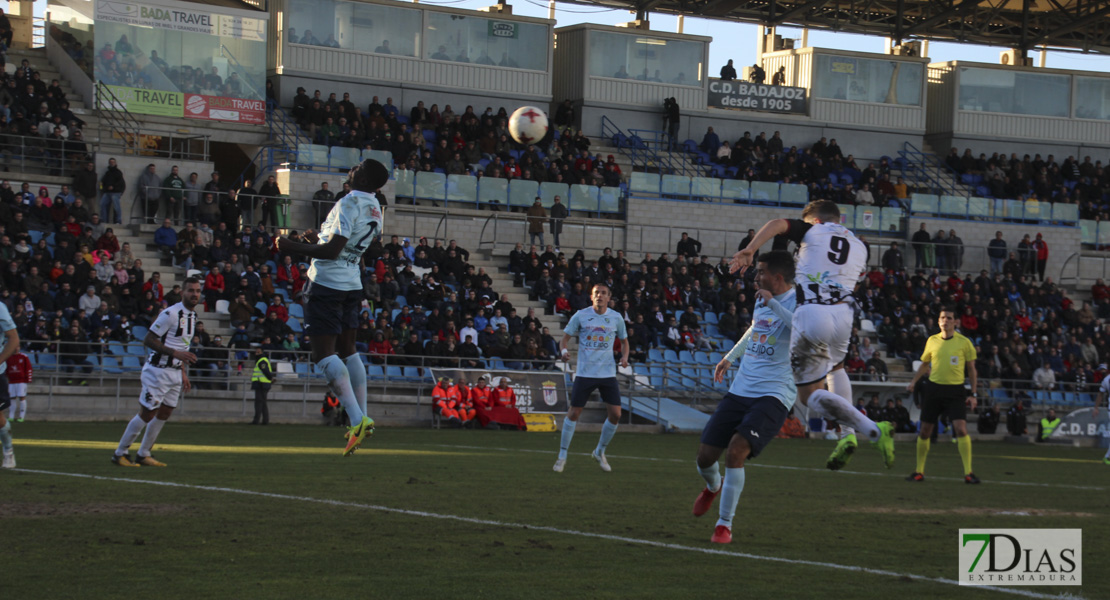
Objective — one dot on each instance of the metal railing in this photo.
(643, 152)
(506, 229)
(38, 32)
(924, 169)
(1083, 269)
(21, 153)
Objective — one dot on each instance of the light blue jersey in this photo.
(764, 353)
(595, 341)
(357, 217)
(6, 325)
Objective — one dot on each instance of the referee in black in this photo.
(946, 357)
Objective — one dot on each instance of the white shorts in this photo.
(17, 390)
(160, 386)
(819, 339)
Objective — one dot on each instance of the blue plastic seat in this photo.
(109, 364)
(670, 356)
(394, 373)
(411, 373)
(131, 363)
(295, 325)
(711, 317)
(375, 372)
(655, 355)
(702, 358)
(296, 311)
(686, 357)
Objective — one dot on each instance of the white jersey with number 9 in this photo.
(830, 261)
(357, 217)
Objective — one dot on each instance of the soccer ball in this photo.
(528, 125)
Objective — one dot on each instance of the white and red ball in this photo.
(528, 125)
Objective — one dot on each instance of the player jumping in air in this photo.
(596, 327)
(164, 376)
(334, 291)
(11, 346)
(831, 260)
(755, 407)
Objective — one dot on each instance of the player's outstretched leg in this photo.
(730, 495)
(6, 445)
(1106, 458)
(357, 373)
(709, 493)
(564, 441)
(842, 411)
(339, 378)
(134, 427)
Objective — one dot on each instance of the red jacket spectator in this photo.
(480, 395)
(1100, 291)
(282, 312)
(288, 274)
(151, 286)
(380, 347)
(969, 323)
(1041, 247)
(214, 282)
(19, 368)
(109, 243)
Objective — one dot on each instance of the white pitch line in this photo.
(784, 467)
(573, 532)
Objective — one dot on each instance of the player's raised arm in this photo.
(327, 251)
(743, 259)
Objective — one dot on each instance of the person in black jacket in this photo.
(270, 192)
(988, 420)
(688, 246)
(112, 186)
(84, 181)
(728, 72)
(922, 247)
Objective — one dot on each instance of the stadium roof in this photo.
(1082, 25)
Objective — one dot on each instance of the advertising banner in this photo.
(742, 95)
(536, 391)
(182, 18)
(149, 102)
(218, 108)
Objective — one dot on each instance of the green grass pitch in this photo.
(491, 520)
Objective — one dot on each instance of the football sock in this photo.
(357, 372)
(6, 437)
(1107, 455)
(568, 434)
(730, 495)
(839, 383)
(339, 379)
(846, 431)
(23, 408)
(153, 428)
(712, 477)
(607, 431)
(134, 427)
(844, 413)
(11, 410)
(922, 452)
(964, 444)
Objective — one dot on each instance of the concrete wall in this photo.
(1062, 241)
(655, 226)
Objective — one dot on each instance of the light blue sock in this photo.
(730, 495)
(712, 476)
(607, 431)
(339, 379)
(6, 437)
(568, 434)
(357, 372)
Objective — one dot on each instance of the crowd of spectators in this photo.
(823, 168)
(38, 126)
(430, 140)
(1085, 183)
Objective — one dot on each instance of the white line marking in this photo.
(510, 525)
(785, 467)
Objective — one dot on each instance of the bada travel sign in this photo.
(180, 19)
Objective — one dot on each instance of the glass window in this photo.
(465, 39)
(1092, 98)
(1015, 92)
(74, 32)
(867, 80)
(355, 25)
(152, 58)
(644, 58)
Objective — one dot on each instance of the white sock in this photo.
(6, 437)
(567, 436)
(11, 410)
(844, 413)
(134, 427)
(1107, 453)
(335, 371)
(607, 431)
(839, 383)
(357, 372)
(23, 408)
(846, 431)
(712, 477)
(730, 495)
(152, 430)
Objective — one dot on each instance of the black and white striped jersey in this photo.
(174, 327)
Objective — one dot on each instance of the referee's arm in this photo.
(922, 371)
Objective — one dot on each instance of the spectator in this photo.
(1047, 425)
(688, 246)
(1040, 247)
(559, 213)
(892, 259)
(173, 193)
(165, 237)
(112, 186)
(536, 216)
(1015, 419)
(996, 251)
(988, 421)
(728, 72)
(149, 193)
(922, 248)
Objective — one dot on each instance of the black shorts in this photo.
(608, 387)
(947, 400)
(328, 311)
(757, 420)
(5, 398)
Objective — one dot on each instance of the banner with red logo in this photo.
(219, 108)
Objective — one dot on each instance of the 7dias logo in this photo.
(1021, 557)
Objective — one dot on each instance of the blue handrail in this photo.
(927, 168)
